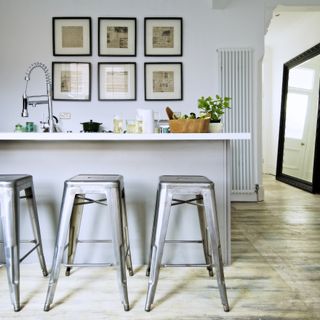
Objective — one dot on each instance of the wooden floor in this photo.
(275, 273)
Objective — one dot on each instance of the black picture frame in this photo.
(71, 36)
(163, 36)
(71, 81)
(163, 81)
(117, 81)
(117, 36)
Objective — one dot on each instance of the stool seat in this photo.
(201, 191)
(188, 180)
(96, 178)
(75, 196)
(11, 186)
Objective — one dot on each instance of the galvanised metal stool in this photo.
(201, 189)
(74, 197)
(10, 188)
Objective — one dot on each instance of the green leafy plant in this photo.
(192, 115)
(214, 108)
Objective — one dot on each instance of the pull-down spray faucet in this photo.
(39, 99)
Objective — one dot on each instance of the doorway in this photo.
(291, 31)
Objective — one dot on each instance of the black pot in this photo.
(91, 126)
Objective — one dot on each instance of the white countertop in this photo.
(61, 136)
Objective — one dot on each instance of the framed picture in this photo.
(163, 81)
(117, 37)
(117, 81)
(163, 36)
(71, 36)
(71, 81)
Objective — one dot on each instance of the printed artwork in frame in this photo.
(163, 36)
(117, 36)
(163, 81)
(71, 36)
(71, 81)
(117, 81)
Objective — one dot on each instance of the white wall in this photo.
(205, 30)
(26, 37)
(289, 34)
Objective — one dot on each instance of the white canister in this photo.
(146, 116)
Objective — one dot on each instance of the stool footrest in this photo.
(176, 202)
(88, 264)
(94, 241)
(23, 241)
(25, 197)
(183, 241)
(30, 251)
(90, 201)
(186, 265)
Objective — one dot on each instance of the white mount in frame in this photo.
(117, 36)
(71, 36)
(163, 81)
(163, 36)
(117, 81)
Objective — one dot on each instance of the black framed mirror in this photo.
(298, 162)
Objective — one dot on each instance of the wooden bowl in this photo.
(189, 125)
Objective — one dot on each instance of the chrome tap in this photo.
(39, 99)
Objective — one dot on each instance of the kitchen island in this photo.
(141, 158)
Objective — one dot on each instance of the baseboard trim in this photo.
(249, 197)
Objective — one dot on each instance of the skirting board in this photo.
(249, 197)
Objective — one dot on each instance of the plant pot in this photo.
(91, 126)
(215, 127)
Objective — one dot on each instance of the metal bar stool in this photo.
(202, 192)
(10, 188)
(74, 197)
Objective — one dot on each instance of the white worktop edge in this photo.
(61, 136)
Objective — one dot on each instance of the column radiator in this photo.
(236, 81)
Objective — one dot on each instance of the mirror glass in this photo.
(298, 123)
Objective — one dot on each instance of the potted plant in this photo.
(214, 109)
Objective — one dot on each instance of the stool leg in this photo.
(65, 215)
(126, 233)
(204, 235)
(213, 227)
(76, 217)
(31, 201)
(163, 214)
(153, 234)
(114, 207)
(10, 226)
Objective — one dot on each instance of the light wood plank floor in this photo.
(275, 273)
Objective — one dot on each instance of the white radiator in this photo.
(236, 81)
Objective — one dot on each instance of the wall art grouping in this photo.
(117, 37)
(117, 81)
